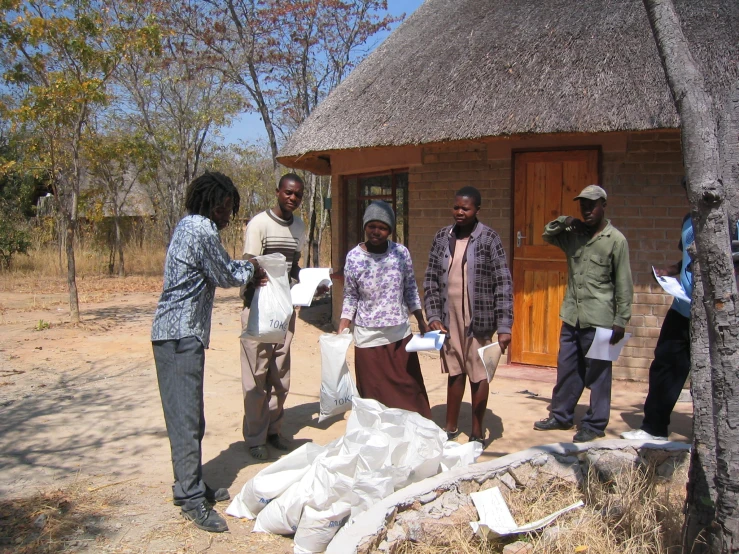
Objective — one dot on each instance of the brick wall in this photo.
(446, 169)
(647, 203)
(641, 173)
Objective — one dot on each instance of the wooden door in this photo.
(545, 184)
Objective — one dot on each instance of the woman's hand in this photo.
(437, 326)
(504, 341)
(344, 324)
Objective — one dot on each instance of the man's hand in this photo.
(437, 326)
(260, 275)
(504, 341)
(322, 289)
(618, 334)
(574, 225)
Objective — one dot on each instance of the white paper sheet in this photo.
(602, 349)
(310, 279)
(496, 519)
(672, 286)
(433, 340)
(490, 356)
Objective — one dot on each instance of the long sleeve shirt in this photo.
(489, 284)
(379, 289)
(599, 289)
(686, 273)
(196, 264)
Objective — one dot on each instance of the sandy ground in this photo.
(79, 406)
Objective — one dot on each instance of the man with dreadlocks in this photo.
(196, 264)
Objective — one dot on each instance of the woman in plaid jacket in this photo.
(468, 294)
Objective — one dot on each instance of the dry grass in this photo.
(90, 262)
(635, 514)
(53, 522)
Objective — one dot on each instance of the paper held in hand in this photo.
(496, 519)
(433, 340)
(310, 279)
(602, 349)
(490, 356)
(672, 286)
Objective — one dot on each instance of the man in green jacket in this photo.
(599, 294)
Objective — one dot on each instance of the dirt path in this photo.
(80, 410)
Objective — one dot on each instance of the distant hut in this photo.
(529, 101)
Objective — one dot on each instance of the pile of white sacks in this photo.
(314, 490)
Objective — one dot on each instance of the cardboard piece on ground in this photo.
(496, 519)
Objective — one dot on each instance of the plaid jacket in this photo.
(489, 283)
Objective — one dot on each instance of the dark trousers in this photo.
(574, 373)
(667, 374)
(180, 369)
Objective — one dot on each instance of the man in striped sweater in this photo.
(265, 367)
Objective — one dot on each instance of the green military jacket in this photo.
(599, 288)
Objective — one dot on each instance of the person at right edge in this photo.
(599, 294)
(671, 365)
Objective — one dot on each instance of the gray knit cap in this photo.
(379, 211)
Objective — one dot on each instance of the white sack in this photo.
(459, 455)
(372, 445)
(272, 307)
(327, 481)
(318, 527)
(273, 480)
(337, 386)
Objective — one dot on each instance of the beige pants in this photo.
(265, 380)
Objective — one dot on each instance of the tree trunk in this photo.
(119, 242)
(74, 303)
(311, 220)
(700, 502)
(711, 225)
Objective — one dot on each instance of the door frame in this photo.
(512, 234)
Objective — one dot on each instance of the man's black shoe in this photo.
(587, 435)
(212, 496)
(206, 518)
(550, 424)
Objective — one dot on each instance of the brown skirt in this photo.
(392, 376)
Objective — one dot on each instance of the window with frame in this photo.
(360, 190)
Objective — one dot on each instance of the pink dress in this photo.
(459, 354)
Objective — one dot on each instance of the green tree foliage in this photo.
(59, 57)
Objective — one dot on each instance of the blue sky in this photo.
(249, 126)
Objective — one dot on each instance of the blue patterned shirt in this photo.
(196, 264)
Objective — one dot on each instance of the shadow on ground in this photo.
(83, 418)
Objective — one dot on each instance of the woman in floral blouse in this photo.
(379, 291)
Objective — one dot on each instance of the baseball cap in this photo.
(592, 192)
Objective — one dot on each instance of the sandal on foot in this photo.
(452, 435)
(278, 442)
(259, 452)
(477, 439)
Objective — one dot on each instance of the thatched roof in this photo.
(465, 69)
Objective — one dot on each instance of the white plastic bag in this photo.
(337, 386)
(318, 527)
(272, 307)
(273, 480)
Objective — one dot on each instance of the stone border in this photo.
(374, 530)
